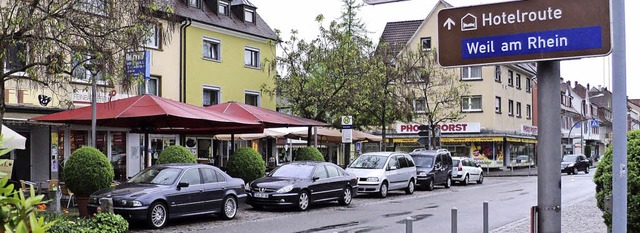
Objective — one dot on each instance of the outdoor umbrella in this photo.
(268, 118)
(11, 139)
(149, 113)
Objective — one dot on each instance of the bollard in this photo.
(409, 225)
(485, 213)
(454, 220)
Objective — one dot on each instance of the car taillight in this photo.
(460, 166)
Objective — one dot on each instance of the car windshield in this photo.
(423, 161)
(369, 162)
(569, 158)
(159, 175)
(299, 171)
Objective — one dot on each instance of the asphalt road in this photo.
(509, 198)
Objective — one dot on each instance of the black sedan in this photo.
(571, 164)
(173, 190)
(302, 183)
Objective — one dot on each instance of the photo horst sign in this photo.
(522, 31)
(456, 127)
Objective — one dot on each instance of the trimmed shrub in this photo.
(604, 181)
(247, 164)
(87, 171)
(309, 153)
(176, 154)
(101, 222)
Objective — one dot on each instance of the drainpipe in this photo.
(183, 63)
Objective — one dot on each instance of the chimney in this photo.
(576, 83)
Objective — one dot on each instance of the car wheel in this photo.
(465, 182)
(586, 170)
(303, 201)
(346, 197)
(480, 179)
(575, 170)
(447, 184)
(429, 185)
(229, 208)
(384, 190)
(157, 215)
(411, 187)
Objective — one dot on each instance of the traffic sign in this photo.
(523, 31)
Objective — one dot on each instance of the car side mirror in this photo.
(183, 185)
(392, 168)
(478, 165)
(315, 178)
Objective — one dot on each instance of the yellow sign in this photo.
(474, 139)
(405, 140)
(6, 166)
(524, 140)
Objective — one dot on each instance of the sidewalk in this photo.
(508, 171)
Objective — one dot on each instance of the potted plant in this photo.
(176, 154)
(86, 171)
(246, 164)
(309, 153)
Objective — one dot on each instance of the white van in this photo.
(379, 172)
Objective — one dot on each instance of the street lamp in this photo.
(93, 68)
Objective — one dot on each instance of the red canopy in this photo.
(269, 118)
(148, 113)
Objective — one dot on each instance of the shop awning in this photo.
(267, 117)
(11, 139)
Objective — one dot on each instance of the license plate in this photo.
(261, 195)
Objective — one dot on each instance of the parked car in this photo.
(380, 172)
(571, 164)
(168, 191)
(434, 167)
(466, 170)
(301, 184)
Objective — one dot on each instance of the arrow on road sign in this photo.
(449, 23)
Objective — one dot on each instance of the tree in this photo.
(434, 92)
(319, 78)
(45, 43)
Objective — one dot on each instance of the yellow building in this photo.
(498, 108)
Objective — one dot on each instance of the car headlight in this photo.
(247, 187)
(372, 179)
(133, 203)
(422, 173)
(136, 203)
(571, 164)
(285, 189)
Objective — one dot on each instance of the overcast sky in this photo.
(300, 15)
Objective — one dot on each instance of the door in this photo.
(320, 185)
(438, 169)
(336, 181)
(214, 189)
(405, 170)
(394, 175)
(187, 199)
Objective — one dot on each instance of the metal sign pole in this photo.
(619, 67)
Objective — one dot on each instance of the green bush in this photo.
(87, 171)
(176, 154)
(309, 154)
(101, 222)
(604, 181)
(246, 164)
(20, 214)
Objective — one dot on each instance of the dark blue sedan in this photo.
(166, 191)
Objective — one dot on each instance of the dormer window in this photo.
(249, 15)
(223, 8)
(194, 3)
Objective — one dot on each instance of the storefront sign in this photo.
(529, 129)
(457, 127)
(471, 139)
(523, 140)
(101, 97)
(6, 167)
(405, 140)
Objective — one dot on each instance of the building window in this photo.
(518, 83)
(498, 105)
(194, 3)
(498, 74)
(528, 84)
(528, 111)
(210, 96)
(249, 15)
(419, 105)
(510, 107)
(223, 8)
(81, 74)
(153, 86)
(518, 109)
(211, 49)
(252, 98)
(472, 103)
(425, 42)
(153, 38)
(472, 73)
(251, 57)
(16, 56)
(510, 78)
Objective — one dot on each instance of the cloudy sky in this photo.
(300, 15)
